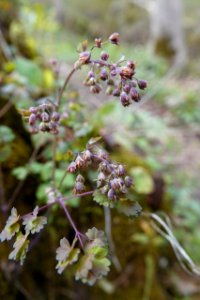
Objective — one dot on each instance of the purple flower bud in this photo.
(32, 119)
(95, 89)
(104, 75)
(84, 57)
(72, 167)
(45, 117)
(79, 187)
(120, 170)
(115, 184)
(33, 110)
(114, 38)
(87, 155)
(55, 116)
(104, 56)
(124, 98)
(90, 74)
(128, 181)
(111, 194)
(126, 73)
(113, 72)
(101, 177)
(80, 178)
(134, 94)
(104, 189)
(142, 84)
(127, 88)
(79, 161)
(131, 64)
(116, 92)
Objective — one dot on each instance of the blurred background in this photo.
(158, 139)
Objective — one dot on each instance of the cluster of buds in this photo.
(111, 179)
(118, 77)
(44, 118)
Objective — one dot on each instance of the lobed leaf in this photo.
(33, 223)
(20, 248)
(12, 226)
(101, 199)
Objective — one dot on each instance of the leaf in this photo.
(66, 254)
(143, 181)
(96, 238)
(129, 208)
(33, 223)
(6, 134)
(12, 226)
(94, 264)
(20, 248)
(101, 199)
(20, 172)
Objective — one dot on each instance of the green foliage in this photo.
(66, 254)
(101, 199)
(143, 182)
(6, 138)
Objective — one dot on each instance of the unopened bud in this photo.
(124, 98)
(32, 119)
(111, 194)
(142, 84)
(104, 56)
(104, 75)
(116, 92)
(55, 116)
(84, 57)
(126, 73)
(72, 167)
(114, 38)
(134, 94)
(45, 117)
(128, 181)
(131, 64)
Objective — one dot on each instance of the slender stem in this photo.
(54, 161)
(64, 86)
(78, 235)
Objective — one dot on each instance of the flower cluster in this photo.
(44, 118)
(119, 76)
(111, 179)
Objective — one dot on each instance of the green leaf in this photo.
(66, 254)
(143, 182)
(101, 199)
(129, 208)
(20, 248)
(33, 223)
(20, 172)
(94, 264)
(6, 134)
(12, 226)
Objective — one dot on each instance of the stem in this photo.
(64, 86)
(54, 161)
(78, 234)
(5, 108)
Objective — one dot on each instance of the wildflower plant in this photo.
(88, 252)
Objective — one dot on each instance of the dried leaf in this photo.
(12, 226)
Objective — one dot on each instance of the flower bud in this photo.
(131, 64)
(45, 117)
(127, 88)
(110, 82)
(142, 84)
(104, 56)
(120, 170)
(79, 161)
(84, 57)
(116, 92)
(98, 42)
(43, 127)
(80, 178)
(55, 116)
(109, 90)
(87, 155)
(126, 73)
(104, 75)
(124, 98)
(115, 184)
(114, 38)
(128, 181)
(72, 167)
(134, 94)
(79, 187)
(111, 194)
(90, 74)
(33, 110)
(32, 119)
(95, 89)
(113, 72)
(104, 189)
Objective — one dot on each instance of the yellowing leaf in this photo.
(20, 248)
(12, 226)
